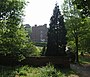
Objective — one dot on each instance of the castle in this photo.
(39, 33)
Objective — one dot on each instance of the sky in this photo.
(39, 11)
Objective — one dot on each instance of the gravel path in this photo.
(83, 70)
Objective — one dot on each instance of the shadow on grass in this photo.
(84, 59)
(67, 71)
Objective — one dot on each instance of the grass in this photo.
(84, 59)
(27, 71)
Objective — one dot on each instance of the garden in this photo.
(66, 51)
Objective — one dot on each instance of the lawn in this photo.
(84, 59)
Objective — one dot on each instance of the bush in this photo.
(31, 50)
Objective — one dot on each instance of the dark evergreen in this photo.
(56, 34)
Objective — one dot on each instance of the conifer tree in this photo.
(56, 34)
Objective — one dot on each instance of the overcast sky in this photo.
(39, 11)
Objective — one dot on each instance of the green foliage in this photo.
(26, 71)
(77, 28)
(35, 51)
(13, 37)
(85, 43)
(10, 28)
(84, 6)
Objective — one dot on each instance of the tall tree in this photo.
(76, 27)
(56, 34)
(72, 23)
(84, 7)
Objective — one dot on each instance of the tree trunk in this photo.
(76, 54)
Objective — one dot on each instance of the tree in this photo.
(76, 26)
(28, 29)
(73, 24)
(85, 43)
(13, 38)
(56, 34)
(84, 6)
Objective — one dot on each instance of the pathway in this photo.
(83, 70)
